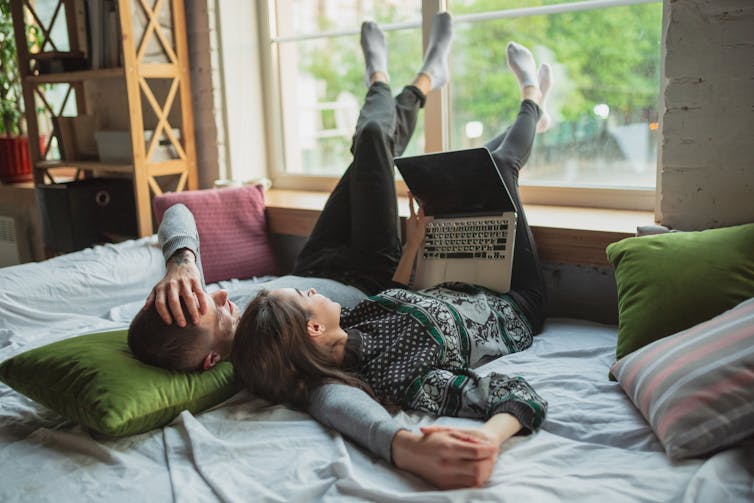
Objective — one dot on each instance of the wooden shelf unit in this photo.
(136, 75)
(78, 76)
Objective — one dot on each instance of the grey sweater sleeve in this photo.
(178, 231)
(356, 415)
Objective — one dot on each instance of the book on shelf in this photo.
(75, 15)
(76, 137)
(104, 39)
(63, 130)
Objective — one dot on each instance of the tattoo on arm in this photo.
(182, 256)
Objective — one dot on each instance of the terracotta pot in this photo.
(15, 165)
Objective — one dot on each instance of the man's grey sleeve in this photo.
(178, 231)
(356, 415)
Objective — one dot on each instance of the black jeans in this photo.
(510, 151)
(356, 239)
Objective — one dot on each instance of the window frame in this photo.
(437, 110)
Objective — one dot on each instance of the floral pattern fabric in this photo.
(418, 349)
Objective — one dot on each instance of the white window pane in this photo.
(298, 17)
(322, 90)
(606, 64)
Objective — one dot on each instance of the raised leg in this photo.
(511, 151)
(334, 225)
(527, 282)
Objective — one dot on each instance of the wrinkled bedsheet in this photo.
(594, 445)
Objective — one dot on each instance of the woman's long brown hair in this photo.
(275, 358)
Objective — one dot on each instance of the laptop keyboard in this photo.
(483, 239)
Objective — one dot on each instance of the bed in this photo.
(593, 446)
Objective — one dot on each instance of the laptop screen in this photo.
(457, 183)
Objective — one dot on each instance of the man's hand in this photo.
(182, 280)
(449, 458)
(465, 434)
(497, 429)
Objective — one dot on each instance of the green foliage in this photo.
(600, 56)
(10, 95)
(338, 66)
(609, 56)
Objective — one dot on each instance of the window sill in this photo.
(564, 234)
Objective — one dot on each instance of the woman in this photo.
(411, 349)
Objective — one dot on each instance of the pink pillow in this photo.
(232, 230)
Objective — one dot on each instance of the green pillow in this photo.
(95, 380)
(670, 282)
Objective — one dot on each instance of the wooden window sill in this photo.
(563, 234)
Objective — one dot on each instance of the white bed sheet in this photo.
(594, 445)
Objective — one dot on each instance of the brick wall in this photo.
(707, 155)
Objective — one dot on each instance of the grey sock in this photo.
(435, 64)
(375, 49)
(521, 62)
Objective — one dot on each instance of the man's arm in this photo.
(444, 458)
(179, 240)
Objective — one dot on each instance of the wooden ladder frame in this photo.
(135, 74)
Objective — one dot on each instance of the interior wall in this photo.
(707, 158)
(238, 57)
(198, 35)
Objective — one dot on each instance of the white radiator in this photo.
(9, 254)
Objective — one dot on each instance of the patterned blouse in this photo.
(417, 349)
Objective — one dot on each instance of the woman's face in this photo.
(321, 309)
(323, 324)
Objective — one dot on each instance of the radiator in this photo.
(9, 244)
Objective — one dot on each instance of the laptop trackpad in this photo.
(460, 270)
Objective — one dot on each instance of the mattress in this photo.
(593, 446)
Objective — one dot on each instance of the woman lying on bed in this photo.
(406, 348)
(356, 243)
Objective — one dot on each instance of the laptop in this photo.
(472, 229)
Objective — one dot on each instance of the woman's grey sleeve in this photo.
(178, 231)
(357, 416)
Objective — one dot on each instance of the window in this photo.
(606, 60)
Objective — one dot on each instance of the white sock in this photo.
(521, 62)
(375, 50)
(544, 76)
(435, 64)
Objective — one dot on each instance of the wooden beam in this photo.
(563, 234)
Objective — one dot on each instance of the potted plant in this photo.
(15, 165)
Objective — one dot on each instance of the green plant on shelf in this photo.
(10, 88)
(12, 121)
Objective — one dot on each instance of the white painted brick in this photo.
(707, 176)
(722, 9)
(739, 31)
(725, 196)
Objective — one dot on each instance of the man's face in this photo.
(219, 322)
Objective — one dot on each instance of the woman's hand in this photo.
(182, 280)
(415, 225)
(415, 230)
(448, 458)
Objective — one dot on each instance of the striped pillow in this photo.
(696, 388)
